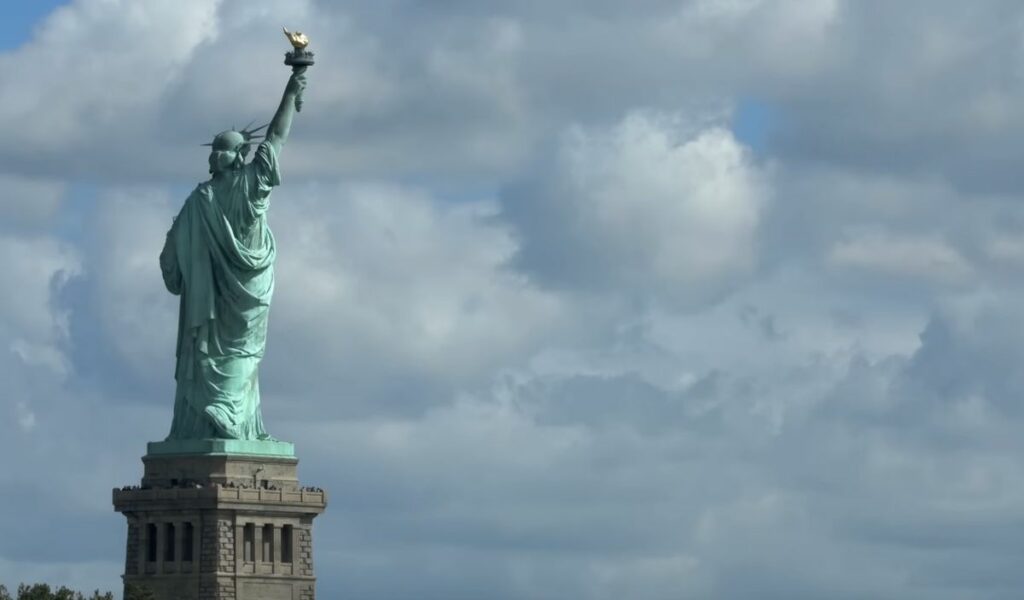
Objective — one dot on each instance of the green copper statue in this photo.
(219, 257)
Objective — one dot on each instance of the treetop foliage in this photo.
(42, 591)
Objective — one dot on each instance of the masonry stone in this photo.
(220, 527)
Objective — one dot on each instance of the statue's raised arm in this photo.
(281, 124)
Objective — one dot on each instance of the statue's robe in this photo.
(219, 257)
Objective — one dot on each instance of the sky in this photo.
(659, 300)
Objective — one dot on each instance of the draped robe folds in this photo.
(219, 258)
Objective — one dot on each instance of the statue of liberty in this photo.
(219, 258)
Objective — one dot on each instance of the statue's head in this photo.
(226, 151)
(229, 149)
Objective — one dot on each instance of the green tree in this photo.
(138, 592)
(39, 591)
(65, 594)
(42, 591)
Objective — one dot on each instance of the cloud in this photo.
(647, 207)
(26, 418)
(91, 48)
(968, 353)
(171, 62)
(932, 103)
(492, 85)
(33, 326)
(28, 202)
(655, 505)
(381, 283)
(921, 257)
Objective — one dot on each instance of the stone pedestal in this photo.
(220, 526)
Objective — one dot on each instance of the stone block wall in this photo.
(217, 589)
(219, 515)
(225, 544)
(306, 551)
(209, 550)
(131, 562)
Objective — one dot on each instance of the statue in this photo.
(219, 258)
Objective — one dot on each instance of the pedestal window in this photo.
(187, 542)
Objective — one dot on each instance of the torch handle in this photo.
(298, 70)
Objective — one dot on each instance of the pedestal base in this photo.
(220, 526)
